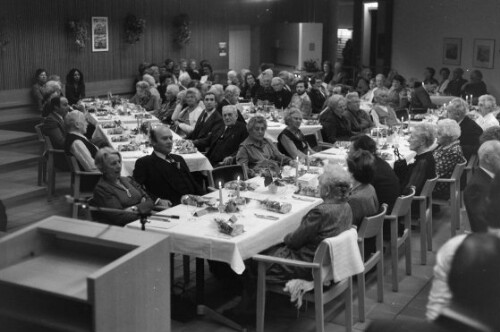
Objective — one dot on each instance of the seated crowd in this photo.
(189, 102)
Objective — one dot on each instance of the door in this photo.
(239, 47)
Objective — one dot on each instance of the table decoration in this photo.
(229, 227)
(275, 206)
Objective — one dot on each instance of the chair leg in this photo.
(40, 171)
(394, 254)
(319, 305)
(348, 306)
(408, 244)
(52, 177)
(453, 207)
(361, 296)
(186, 269)
(423, 232)
(429, 225)
(380, 278)
(261, 297)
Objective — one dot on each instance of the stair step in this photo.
(10, 137)
(10, 160)
(13, 194)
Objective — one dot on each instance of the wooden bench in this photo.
(17, 111)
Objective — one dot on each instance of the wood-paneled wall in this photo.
(39, 39)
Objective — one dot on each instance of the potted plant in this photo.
(79, 31)
(134, 28)
(182, 30)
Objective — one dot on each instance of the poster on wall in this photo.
(100, 34)
(484, 53)
(222, 49)
(452, 51)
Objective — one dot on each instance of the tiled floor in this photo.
(281, 315)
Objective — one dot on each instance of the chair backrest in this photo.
(429, 186)
(39, 133)
(73, 163)
(226, 173)
(403, 204)
(371, 226)
(458, 170)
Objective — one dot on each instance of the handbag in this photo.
(400, 166)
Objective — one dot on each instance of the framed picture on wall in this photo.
(484, 53)
(452, 51)
(100, 34)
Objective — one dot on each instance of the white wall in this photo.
(420, 26)
(286, 43)
(310, 34)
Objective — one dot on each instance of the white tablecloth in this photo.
(275, 128)
(195, 161)
(440, 100)
(199, 236)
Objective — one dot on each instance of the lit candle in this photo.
(221, 202)
(308, 155)
(470, 99)
(238, 188)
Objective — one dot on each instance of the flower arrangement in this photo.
(79, 30)
(182, 31)
(311, 66)
(134, 28)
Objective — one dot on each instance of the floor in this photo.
(281, 315)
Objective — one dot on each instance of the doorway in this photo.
(239, 47)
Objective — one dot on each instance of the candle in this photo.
(297, 170)
(470, 99)
(238, 188)
(308, 155)
(221, 202)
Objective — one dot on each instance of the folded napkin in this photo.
(297, 288)
(345, 255)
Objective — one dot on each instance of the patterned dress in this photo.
(446, 158)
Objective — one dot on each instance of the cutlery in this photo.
(262, 216)
(303, 199)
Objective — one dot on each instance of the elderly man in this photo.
(476, 87)
(288, 78)
(318, 94)
(231, 95)
(469, 138)
(456, 83)
(420, 98)
(265, 93)
(224, 144)
(209, 123)
(184, 81)
(479, 185)
(256, 151)
(488, 110)
(282, 96)
(53, 124)
(76, 143)
(359, 119)
(163, 174)
(301, 100)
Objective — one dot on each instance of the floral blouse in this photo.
(446, 158)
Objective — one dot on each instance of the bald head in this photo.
(161, 139)
(229, 115)
(489, 156)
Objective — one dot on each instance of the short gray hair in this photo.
(380, 95)
(278, 80)
(184, 78)
(458, 108)
(349, 98)
(288, 114)
(232, 90)
(448, 128)
(488, 102)
(258, 119)
(195, 92)
(337, 180)
(102, 156)
(143, 85)
(173, 88)
(333, 101)
(72, 120)
(488, 155)
(149, 79)
(232, 108)
(425, 131)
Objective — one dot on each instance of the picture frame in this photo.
(452, 51)
(100, 34)
(484, 53)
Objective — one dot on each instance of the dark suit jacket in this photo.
(53, 127)
(203, 131)
(282, 98)
(421, 99)
(469, 139)
(475, 195)
(226, 145)
(317, 100)
(223, 103)
(386, 183)
(166, 180)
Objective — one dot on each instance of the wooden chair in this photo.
(79, 177)
(402, 208)
(51, 155)
(316, 142)
(321, 294)
(425, 218)
(371, 227)
(42, 161)
(225, 174)
(454, 201)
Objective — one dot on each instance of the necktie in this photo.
(204, 117)
(224, 133)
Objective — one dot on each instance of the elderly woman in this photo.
(155, 94)
(336, 126)
(117, 192)
(190, 114)
(398, 95)
(232, 78)
(36, 90)
(143, 96)
(447, 154)
(250, 87)
(487, 111)
(291, 141)
(256, 151)
(382, 113)
(363, 83)
(363, 199)
(360, 120)
(76, 143)
(421, 141)
(328, 219)
(50, 90)
(75, 86)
